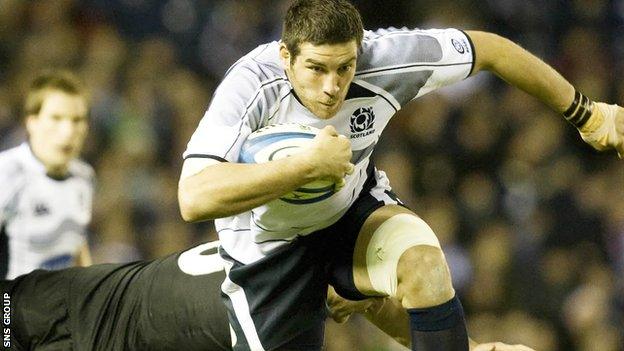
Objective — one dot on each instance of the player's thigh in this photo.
(406, 230)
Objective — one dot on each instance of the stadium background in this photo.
(531, 219)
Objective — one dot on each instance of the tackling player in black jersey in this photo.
(171, 303)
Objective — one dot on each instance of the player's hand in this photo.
(330, 154)
(341, 309)
(499, 346)
(605, 128)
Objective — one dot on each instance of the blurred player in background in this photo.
(171, 303)
(45, 201)
(327, 72)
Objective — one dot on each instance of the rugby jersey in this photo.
(43, 221)
(393, 67)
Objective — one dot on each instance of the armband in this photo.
(579, 111)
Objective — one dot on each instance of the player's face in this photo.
(57, 133)
(321, 75)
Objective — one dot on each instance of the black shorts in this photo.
(278, 302)
(150, 305)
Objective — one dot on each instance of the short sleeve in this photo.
(12, 180)
(236, 106)
(410, 63)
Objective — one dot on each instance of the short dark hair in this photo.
(321, 22)
(47, 81)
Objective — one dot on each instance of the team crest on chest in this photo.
(362, 122)
(41, 209)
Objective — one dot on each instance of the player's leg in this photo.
(396, 254)
(25, 298)
(278, 302)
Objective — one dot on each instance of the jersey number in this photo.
(202, 259)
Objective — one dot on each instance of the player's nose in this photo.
(66, 129)
(331, 84)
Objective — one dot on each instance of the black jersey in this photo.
(173, 303)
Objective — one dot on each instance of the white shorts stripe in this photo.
(241, 310)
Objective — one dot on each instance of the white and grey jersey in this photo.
(43, 221)
(394, 66)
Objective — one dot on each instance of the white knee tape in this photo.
(389, 242)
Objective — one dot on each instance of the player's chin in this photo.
(61, 160)
(326, 111)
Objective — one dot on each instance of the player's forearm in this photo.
(521, 69)
(390, 317)
(226, 189)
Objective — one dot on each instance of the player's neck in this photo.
(57, 172)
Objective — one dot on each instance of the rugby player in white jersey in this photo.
(45, 201)
(329, 73)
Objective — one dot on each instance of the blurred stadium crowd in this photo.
(531, 219)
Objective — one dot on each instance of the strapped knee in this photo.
(391, 239)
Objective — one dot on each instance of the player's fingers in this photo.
(619, 129)
(339, 313)
(485, 347)
(499, 346)
(341, 318)
(350, 169)
(339, 184)
(330, 130)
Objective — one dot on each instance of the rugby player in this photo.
(171, 303)
(45, 202)
(327, 72)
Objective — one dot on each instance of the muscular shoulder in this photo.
(256, 72)
(250, 86)
(393, 47)
(262, 62)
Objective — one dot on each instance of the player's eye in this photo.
(316, 69)
(345, 68)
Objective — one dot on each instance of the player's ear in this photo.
(29, 122)
(284, 55)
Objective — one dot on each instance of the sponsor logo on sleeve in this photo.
(459, 46)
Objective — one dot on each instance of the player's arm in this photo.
(389, 316)
(226, 188)
(600, 125)
(83, 258)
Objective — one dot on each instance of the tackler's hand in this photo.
(605, 128)
(499, 346)
(341, 309)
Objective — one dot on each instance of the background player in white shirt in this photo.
(45, 201)
(324, 74)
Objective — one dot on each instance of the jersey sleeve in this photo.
(235, 108)
(406, 64)
(12, 180)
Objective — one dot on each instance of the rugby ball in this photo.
(278, 141)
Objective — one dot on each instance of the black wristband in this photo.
(580, 110)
